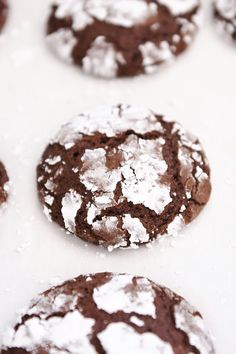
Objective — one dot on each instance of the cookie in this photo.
(225, 15)
(109, 314)
(121, 176)
(124, 37)
(3, 13)
(3, 184)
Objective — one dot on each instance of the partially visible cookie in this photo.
(3, 13)
(122, 176)
(225, 14)
(3, 184)
(124, 37)
(109, 314)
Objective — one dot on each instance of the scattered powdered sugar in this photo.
(180, 7)
(227, 8)
(130, 341)
(60, 333)
(121, 294)
(102, 59)
(71, 203)
(192, 324)
(62, 43)
(126, 13)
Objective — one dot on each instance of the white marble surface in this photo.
(38, 93)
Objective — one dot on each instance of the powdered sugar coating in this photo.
(131, 342)
(125, 164)
(189, 321)
(123, 37)
(109, 120)
(118, 295)
(71, 204)
(120, 12)
(54, 332)
(102, 59)
(79, 317)
(180, 7)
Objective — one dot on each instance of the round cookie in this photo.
(225, 14)
(3, 13)
(121, 176)
(109, 314)
(124, 37)
(3, 184)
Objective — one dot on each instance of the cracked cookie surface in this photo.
(109, 313)
(3, 13)
(122, 176)
(3, 184)
(123, 37)
(225, 15)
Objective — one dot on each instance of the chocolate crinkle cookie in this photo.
(110, 38)
(109, 314)
(121, 176)
(3, 13)
(225, 14)
(4, 184)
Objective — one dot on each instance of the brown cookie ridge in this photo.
(123, 176)
(3, 13)
(109, 313)
(3, 184)
(225, 15)
(121, 38)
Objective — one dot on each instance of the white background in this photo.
(38, 93)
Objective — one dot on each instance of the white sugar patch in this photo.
(62, 43)
(102, 59)
(126, 13)
(97, 177)
(227, 8)
(175, 226)
(71, 203)
(194, 327)
(53, 160)
(60, 333)
(136, 229)
(180, 7)
(143, 168)
(121, 338)
(154, 55)
(120, 294)
(109, 120)
(135, 320)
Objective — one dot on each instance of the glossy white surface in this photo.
(38, 93)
